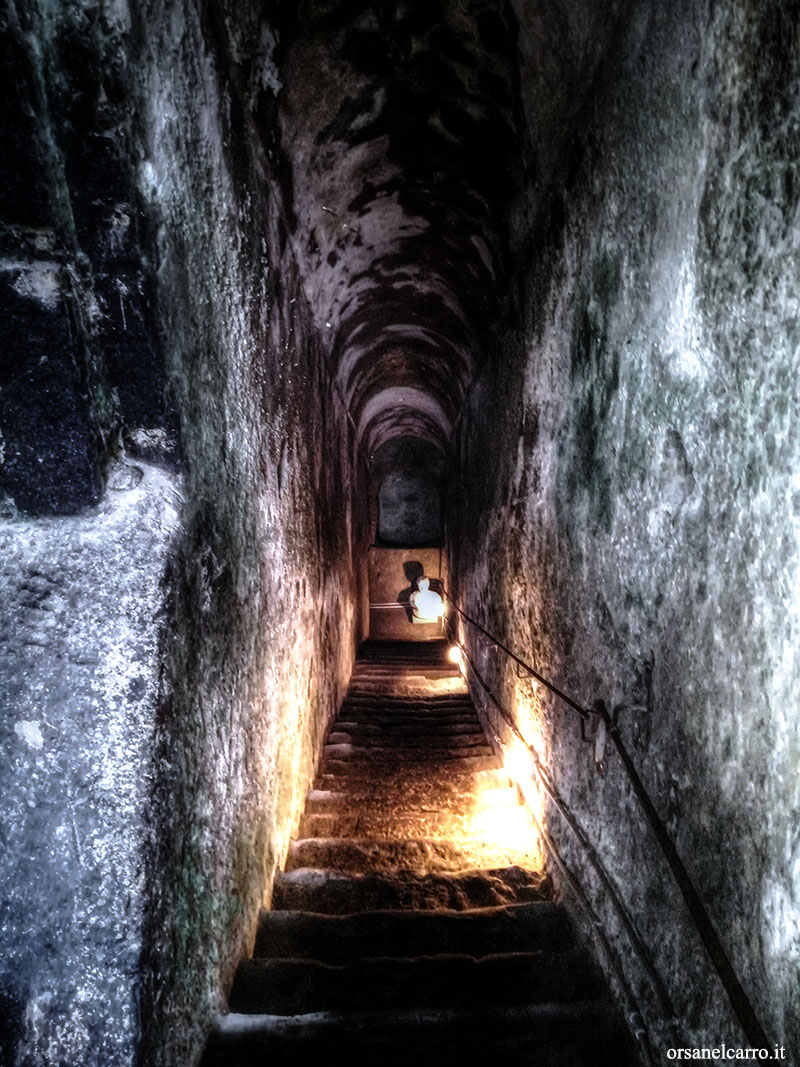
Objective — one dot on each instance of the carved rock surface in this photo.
(633, 530)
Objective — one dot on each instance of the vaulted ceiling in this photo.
(399, 120)
(407, 150)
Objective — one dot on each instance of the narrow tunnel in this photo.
(303, 302)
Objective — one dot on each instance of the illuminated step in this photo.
(341, 893)
(430, 796)
(392, 729)
(340, 744)
(407, 717)
(404, 782)
(345, 767)
(393, 825)
(359, 855)
(369, 700)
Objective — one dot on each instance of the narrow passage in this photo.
(413, 922)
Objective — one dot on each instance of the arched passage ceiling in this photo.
(410, 135)
(399, 122)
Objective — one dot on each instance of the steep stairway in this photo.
(413, 923)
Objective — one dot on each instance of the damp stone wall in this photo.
(628, 510)
(179, 535)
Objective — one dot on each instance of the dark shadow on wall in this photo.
(413, 571)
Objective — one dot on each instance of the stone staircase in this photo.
(413, 923)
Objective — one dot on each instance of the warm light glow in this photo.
(493, 830)
(502, 834)
(510, 827)
(528, 711)
(455, 655)
(502, 797)
(420, 686)
(518, 761)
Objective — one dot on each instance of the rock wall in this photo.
(628, 513)
(90, 515)
(80, 597)
(82, 372)
(178, 640)
(266, 608)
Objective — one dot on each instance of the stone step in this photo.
(411, 662)
(380, 764)
(466, 738)
(399, 826)
(399, 665)
(395, 668)
(483, 789)
(444, 702)
(540, 925)
(413, 709)
(338, 893)
(346, 774)
(410, 688)
(417, 651)
(393, 672)
(291, 987)
(360, 855)
(381, 649)
(408, 718)
(398, 731)
(577, 1034)
(399, 726)
(407, 685)
(393, 826)
(495, 818)
(342, 746)
(402, 781)
(410, 702)
(400, 747)
(403, 785)
(409, 721)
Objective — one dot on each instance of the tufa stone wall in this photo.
(89, 505)
(634, 526)
(81, 597)
(176, 645)
(265, 609)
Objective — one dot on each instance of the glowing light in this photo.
(496, 830)
(501, 797)
(455, 655)
(518, 761)
(504, 835)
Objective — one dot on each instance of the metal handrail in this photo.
(743, 1009)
